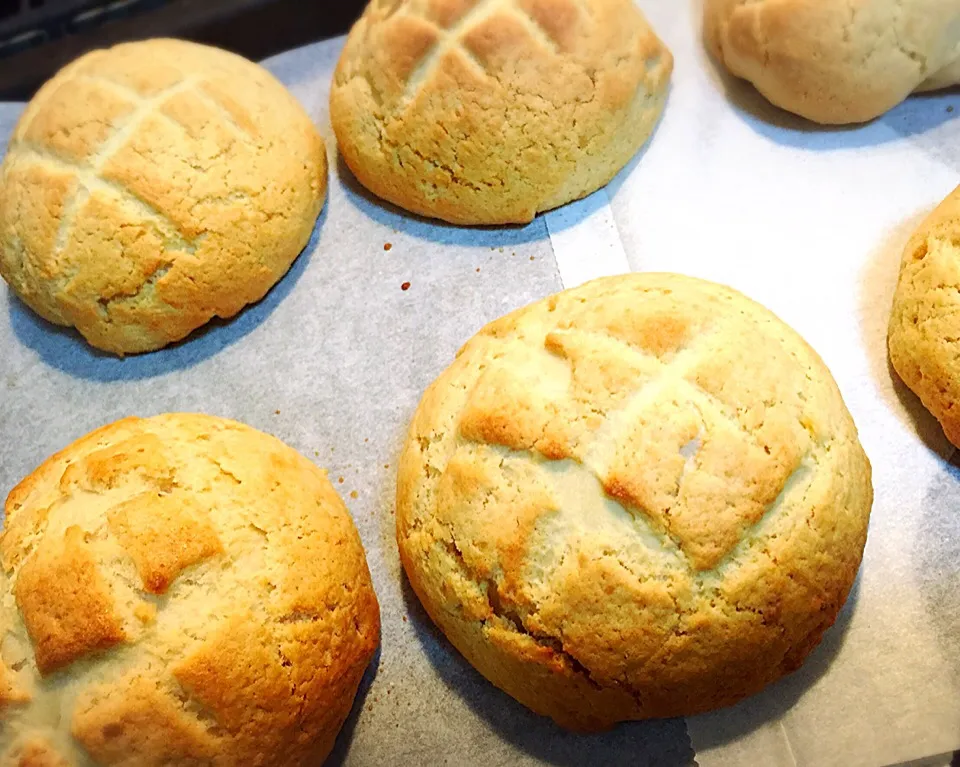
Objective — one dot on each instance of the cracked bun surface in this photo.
(179, 590)
(491, 111)
(155, 185)
(924, 334)
(643, 497)
(837, 61)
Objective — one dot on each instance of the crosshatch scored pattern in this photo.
(666, 391)
(153, 186)
(599, 483)
(452, 38)
(184, 590)
(445, 28)
(489, 111)
(89, 169)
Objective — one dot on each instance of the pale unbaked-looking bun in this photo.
(180, 590)
(837, 61)
(491, 111)
(643, 497)
(153, 186)
(924, 334)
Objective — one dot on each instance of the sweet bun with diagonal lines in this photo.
(181, 591)
(643, 497)
(491, 111)
(153, 186)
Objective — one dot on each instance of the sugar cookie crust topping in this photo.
(152, 186)
(489, 111)
(618, 500)
(180, 589)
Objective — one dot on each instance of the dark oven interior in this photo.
(37, 37)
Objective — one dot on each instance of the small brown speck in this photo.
(353, 494)
(388, 246)
(386, 465)
(533, 258)
(366, 439)
(340, 480)
(478, 268)
(404, 618)
(405, 286)
(276, 412)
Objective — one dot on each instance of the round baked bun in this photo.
(153, 186)
(643, 497)
(181, 590)
(925, 323)
(491, 111)
(837, 61)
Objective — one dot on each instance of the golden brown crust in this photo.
(924, 330)
(490, 111)
(153, 186)
(163, 534)
(232, 572)
(837, 61)
(35, 752)
(640, 498)
(138, 723)
(66, 604)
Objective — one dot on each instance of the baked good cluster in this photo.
(642, 497)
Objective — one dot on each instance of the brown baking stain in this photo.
(340, 480)
(276, 412)
(478, 269)
(353, 494)
(533, 258)
(405, 286)
(388, 246)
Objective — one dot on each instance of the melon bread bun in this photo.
(491, 111)
(837, 61)
(643, 497)
(179, 590)
(924, 334)
(153, 186)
